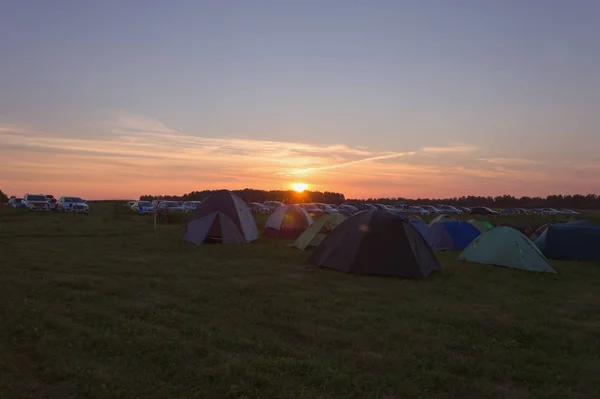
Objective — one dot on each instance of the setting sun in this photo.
(299, 187)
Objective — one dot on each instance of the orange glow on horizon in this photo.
(137, 156)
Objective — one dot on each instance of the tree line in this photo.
(576, 201)
(251, 195)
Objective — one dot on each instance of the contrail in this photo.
(341, 165)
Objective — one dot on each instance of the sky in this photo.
(115, 99)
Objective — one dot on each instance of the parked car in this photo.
(466, 209)
(432, 209)
(325, 208)
(273, 204)
(509, 211)
(383, 207)
(73, 205)
(256, 207)
(347, 210)
(52, 201)
(190, 206)
(169, 206)
(36, 202)
(550, 211)
(129, 204)
(142, 207)
(448, 209)
(16, 203)
(482, 210)
(569, 212)
(365, 207)
(312, 209)
(415, 210)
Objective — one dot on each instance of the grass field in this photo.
(101, 306)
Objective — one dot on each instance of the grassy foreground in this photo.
(104, 307)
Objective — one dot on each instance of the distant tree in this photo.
(3, 197)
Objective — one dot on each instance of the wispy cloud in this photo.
(136, 155)
(349, 163)
(451, 149)
(510, 161)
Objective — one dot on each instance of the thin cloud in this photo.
(136, 155)
(450, 149)
(341, 165)
(510, 161)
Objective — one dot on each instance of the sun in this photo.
(299, 187)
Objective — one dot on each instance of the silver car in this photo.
(36, 202)
(190, 206)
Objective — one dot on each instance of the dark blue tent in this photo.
(419, 225)
(581, 223)
(452, 235)
(570, 242)
(415, 221)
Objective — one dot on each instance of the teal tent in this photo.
(505, 246)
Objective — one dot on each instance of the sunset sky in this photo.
(423, 98)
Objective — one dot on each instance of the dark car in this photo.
(365, 207)
(482, 210)
(347, 209)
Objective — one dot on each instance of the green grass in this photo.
(101, 306)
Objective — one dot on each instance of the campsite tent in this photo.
(508, 247)
(441, 218)
(451, 236)
(544, 227)
(419, 224)
(316, 232)
(481, 226)
(222, 217)
(376, 242)
(287, 221)
(570, 242)
(414, 220)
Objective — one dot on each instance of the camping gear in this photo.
(222, 217)
(508, 247)
(376, 242)
(451, 236)
(567, 241)
(441, 218)
(316, 232)
(287, 221)
(481, 226)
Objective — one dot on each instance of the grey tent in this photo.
(376, 242)
(222, 217)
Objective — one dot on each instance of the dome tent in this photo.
(508, 247)
(566, 241)
(222, 217)
(376, 242)
(441, 218)
(287, 221)
(481, 226)
(451, 236)
(316, 232)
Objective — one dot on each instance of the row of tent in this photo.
(382, 242)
